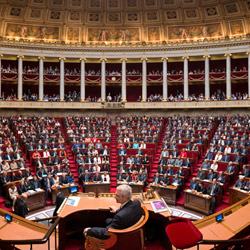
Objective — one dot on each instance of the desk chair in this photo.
(183, 234)
(131, 238)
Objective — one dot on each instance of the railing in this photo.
(45, 239)
(221, 244)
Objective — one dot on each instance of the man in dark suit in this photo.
(245, 171)
(194, 184)
(126, 216)
(59, 199)
(35, 183)
(213, 190)
(22, 209)
(156, 179)
(97, 177)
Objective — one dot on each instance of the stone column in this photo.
(124, 87)
(103, 79)
(20, 78)
(228, 76)
(144, 79)
(82, 79)
(40, 94)
(248, 54)
(62, 59)
(185, 71)
(1, 75)
(165, 79)
(207, 80)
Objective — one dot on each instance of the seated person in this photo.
(201, 188)
(165, 180)
(162, 161)
(120, 175)
(104, 168)
(127, 177)
(206, 165)
(97, 177)
(240, 183)
(180, 172)
(13, 195)
(171, 161)
(64, 179)
(245, 171)
(122, 151)
(105, 177)
(183, 153)
(201, 174)
(237, 158)
(161, 169)
(156, 179)
(179, 161)
(134, 176)
(129, 213)
(211, 175)
(214, 165)
(225, 157)
(175, 153)
(177, 181)
(209, 155)
(170, 171)
(71, 178)
(221, 178)
(194, 184)
(141, 177)
(21, 187)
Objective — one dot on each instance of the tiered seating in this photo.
(181, 146)
(137, 139)
(89, 139)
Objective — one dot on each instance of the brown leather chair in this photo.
(131, 238)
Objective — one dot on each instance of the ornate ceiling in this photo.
(123, 21)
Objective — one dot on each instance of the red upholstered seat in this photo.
(182, 233)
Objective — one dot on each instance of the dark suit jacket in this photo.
(216, 190)
(59, 201)
(22, 209)
(194, 185)
(125, 217)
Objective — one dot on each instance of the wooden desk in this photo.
(168, 193)
(65, 189)
(136, 187)
(20, 229)
(197, 202)
(35, 200)
(236, 220)
(91, 211)
(236, 195)
(97, 187)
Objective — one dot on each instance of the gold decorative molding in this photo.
(185, 57)
(206, 56)
(62, 59)
(83, 59)
(83, 100)
(20, 56)
(103, 59)
(124, 100)
(41, 58)
(164, 58)
(124, 59)
(1, 55)
(248, 53)
(144, 59)
(228, 54)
